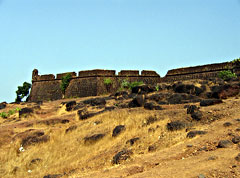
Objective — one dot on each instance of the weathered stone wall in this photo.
(96, 72)
(117, 80)
(200, 69)
(45, 91)
(197, 72)
(80, 87)
(91, 82)
(87, 83)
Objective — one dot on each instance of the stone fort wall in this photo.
(86, 83)
(91, 82)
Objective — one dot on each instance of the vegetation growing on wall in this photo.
(125, 84)
(226, 75)
(65, 82)
(23, 91)
(108, 83)
(236, 61)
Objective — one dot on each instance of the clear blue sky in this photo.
(58, 36)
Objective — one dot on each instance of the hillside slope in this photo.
(122, 135)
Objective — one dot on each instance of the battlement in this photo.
(129, 73)
(96, 72)
(149, 73)
(60, 76)
(93, 73)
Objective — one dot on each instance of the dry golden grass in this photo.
(67, 152)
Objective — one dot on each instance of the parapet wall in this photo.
(198, 72)
(92, 82)
(200, 69)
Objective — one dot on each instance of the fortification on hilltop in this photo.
(91, 82)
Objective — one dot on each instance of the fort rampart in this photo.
(91, 82)
(86, 83)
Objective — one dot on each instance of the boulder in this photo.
(84, 114)
(24, 112)
(121, 95)
(70, 105)
(143, 89)
(236, 139)
(175, 99)
(176, 125)
(78, 106)
(53, 121)
(227, 124)
(194, 133)
(138, 101)
(53, 176)
(224, 144)
(95, 101)
(132, 141)
(35, 138)
(197, 115)
(237, 158)
(199, 91)
(152, 106)
(152, 148)
(224, 91)
(183, 88)
(93, 138)
(3, 105)
(209, 102)
(191, 109)
(71, 128)
(121, 156)
(35, 161)
(117, 130)
(150, 120)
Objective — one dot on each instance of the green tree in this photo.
(23, 91)
(65, 82)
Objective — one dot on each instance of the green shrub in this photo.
(236, 61)
(125, 84)
(23, 91)
(65, 82)
(135, 84)
(3, 115)
(9, 113)
(107, 81)
(129, 85)
(226, 75)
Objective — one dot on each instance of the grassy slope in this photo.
(67, 153)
